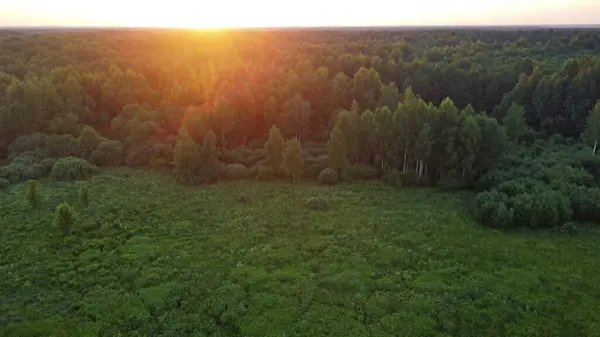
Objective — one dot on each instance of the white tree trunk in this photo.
(405, 155)
(595, 146)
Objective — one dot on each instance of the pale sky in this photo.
(263, 13)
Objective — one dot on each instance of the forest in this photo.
(137, 167)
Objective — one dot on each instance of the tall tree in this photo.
(274, 148)
(514, 122)
(295, 120)
(390, 96)
(338, 151)
(592, 129)
(348, 122)
(340, 92)
(292, 159)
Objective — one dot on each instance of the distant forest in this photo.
(426, 101)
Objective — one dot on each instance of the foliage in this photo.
(292, 160)
(266, 173)
(72, 168)
(108, 153)
(362, 172)
(64, 218)
(273, 266)
(392, 178)
(236, 172)
(274, 148)
(84, 196)
(33, 197)
(328, 177)
(318, 203)
(4, 183)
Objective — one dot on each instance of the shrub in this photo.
(491, 210)
(585, 203)
(253, 171)
(84, 197)
(318, 203)
(4, 183)
(409, 178)
(64, 218)
(26, 158)
(108, 153)
(328, 177)
(48, 163)
(392, 178)
(266, 173)
(29, 142)
(13, 172)
(231, 157)
(362, 172)
(72, 168)
(36, 171)
(32, 195)
(236, 172)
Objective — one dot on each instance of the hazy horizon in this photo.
(308, 13)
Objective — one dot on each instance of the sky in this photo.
(281, 13)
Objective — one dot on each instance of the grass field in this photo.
(149, 257)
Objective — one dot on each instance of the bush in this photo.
(317, 203)
(236, 172)
(64, 218)
(362, 172)
(409, 178)
(491, 210)
(252, 171)
(328, 177)
(4, 183)
(48, 163)
(266, 173)
(13, 172)
(72, 168)
(108, 153)
(585, 203)
(392, 178)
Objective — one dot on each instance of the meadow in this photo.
(151, 257)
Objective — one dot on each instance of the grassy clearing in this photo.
(149, 257)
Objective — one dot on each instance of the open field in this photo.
(149, 257)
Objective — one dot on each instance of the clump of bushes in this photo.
(72, 168)
(317, 203)
(361, 172)
(4, 183)
(328, 177)
(84, 196)
(266, 173)
(64, 218)
(108, 153)
(392, 178)
(236, 172)
(586, 204)
(409, 178)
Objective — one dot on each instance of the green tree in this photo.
(366, 87)
(390, 96)
(271, 112)
(348, 122)
(186, 159)
(32, 195)
(292, 159)
(209, 158)
(84, 196)
(592, 129)
(64, 218)
(365, 135)
(89, 140)
(338, 151)
(423, 149)
(274, 148)
(295, 120)
(340, 92)
(514, 122)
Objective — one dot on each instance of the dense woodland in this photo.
(181, 183)
(439, 107)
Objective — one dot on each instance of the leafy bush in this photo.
(392, 178)
(362, 172)
(409, 178)
(328, 177)
(317, 203)
(491, 210)
(64, 218)
(585, 203)
(72, 168)
(266, 173)
(48, 163)
(13, 172)
(108, 153)
(253, 171)
(4, 183)
(236, 172)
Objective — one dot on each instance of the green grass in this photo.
(149, 257)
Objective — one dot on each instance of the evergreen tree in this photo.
(514, 122)
(338, 151)
(274, 148)
(292, 159)
(64, 218)
(32, 195)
